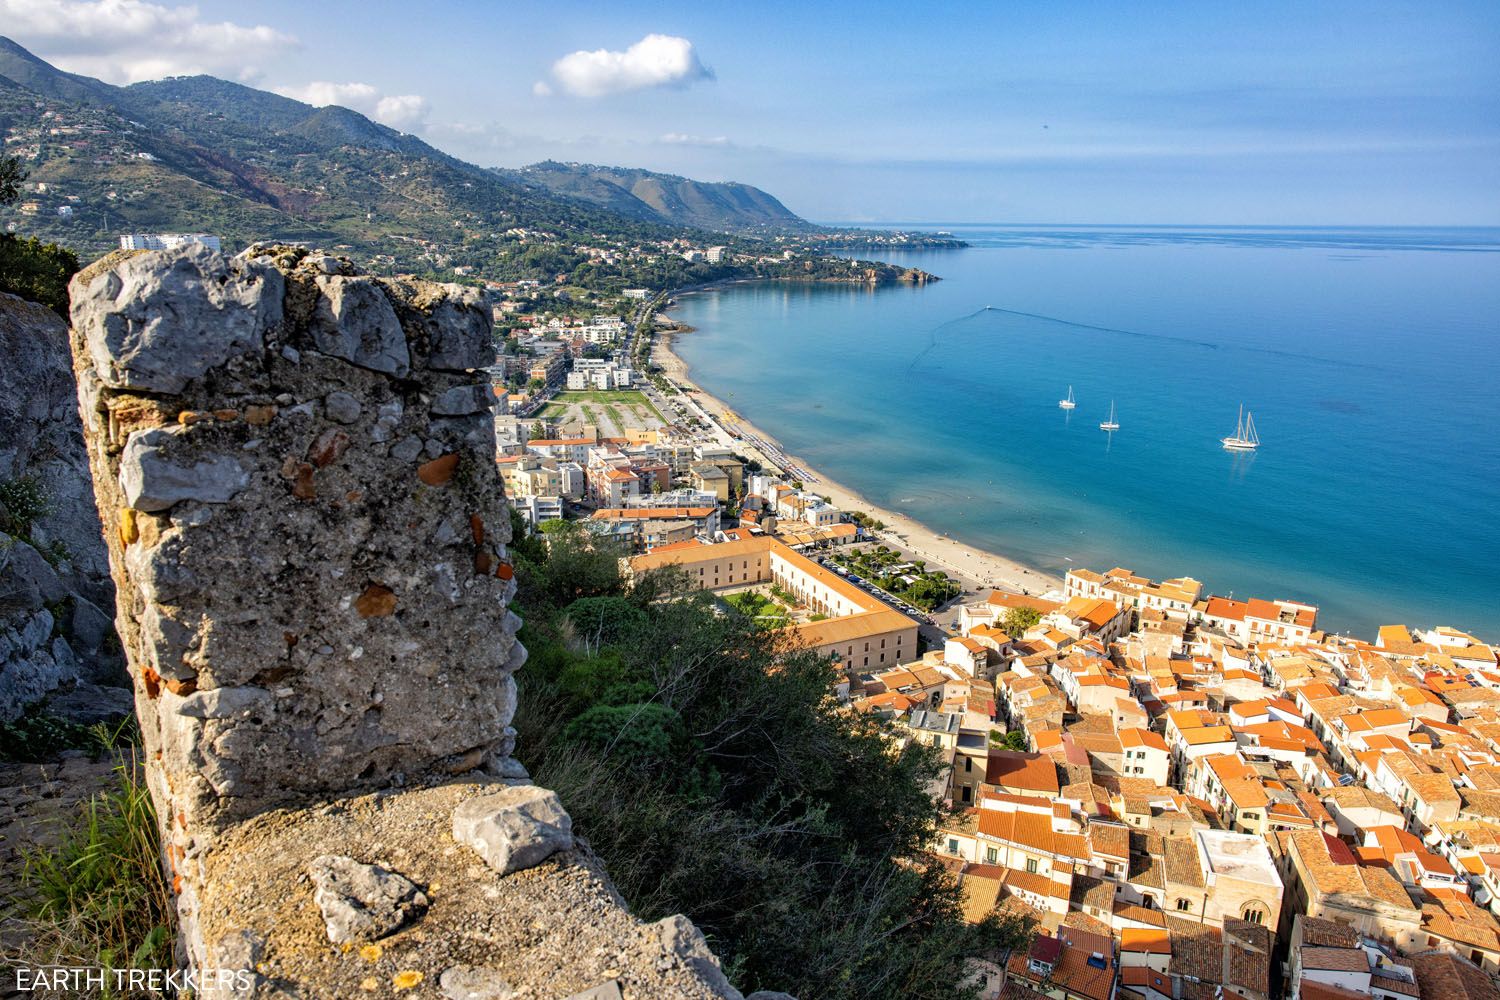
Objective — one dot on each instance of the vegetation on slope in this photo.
(28, 267)
(717, 777)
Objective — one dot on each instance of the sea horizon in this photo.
(1321, 334)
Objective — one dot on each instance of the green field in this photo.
(609, 399)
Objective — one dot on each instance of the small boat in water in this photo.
(1067, 404)
(1111, 424)
(1245, 438)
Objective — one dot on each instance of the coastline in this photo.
(977, 569)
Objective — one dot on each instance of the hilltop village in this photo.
(1190, 796)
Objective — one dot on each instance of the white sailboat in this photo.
(1245, 438)
(1111, 424)
(1067, 404)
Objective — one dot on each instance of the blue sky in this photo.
(1203, 112)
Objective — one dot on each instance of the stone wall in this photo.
(295, 468)
(55, 638)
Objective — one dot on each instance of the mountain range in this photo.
(200, 154)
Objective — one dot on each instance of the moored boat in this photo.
(1244, 437)
(1111, 424)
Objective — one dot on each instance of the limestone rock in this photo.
(462, 400)
(466, 982)
(681, 940)
(152, 479)
(355, 321)
(27, 581)
(517, 828)
(458, 331)
(362, 902)
(87, 704)
(156, 321)
(342, 407)
(604, 991)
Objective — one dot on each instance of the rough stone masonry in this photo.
(294, 465)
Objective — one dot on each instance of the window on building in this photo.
(992, 855)
(952, 845)
(1253, 913)
(1184, 904)
(1031, 865)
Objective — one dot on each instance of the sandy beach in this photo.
(976, 569)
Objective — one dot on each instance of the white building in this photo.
(166, 241)
(599, 373)
(538, 509)
(574, 482)
(639, 294)
(715, 255)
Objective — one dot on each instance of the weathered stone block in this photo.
(362, 902)
(153, 477)
(517, 828)
(465, 982)
(355, 321)
(154, 322)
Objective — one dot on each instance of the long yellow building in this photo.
(860, 631)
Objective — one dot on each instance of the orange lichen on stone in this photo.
(129, 531)
(327, 447)
(438, 471)
(505, 571)
(476, 528)
(192, 417)
(181, 688)
(227, 415)
(303, 486)
(376, 602)
(483, 562)
(151, 680)
(259, 416)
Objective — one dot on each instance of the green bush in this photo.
(37, 271)
(710, 768)
(23, 501)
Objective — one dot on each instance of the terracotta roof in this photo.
(1331, 933)
(1142, 738)
(1311, 989)
(1147, 940)
(1247, 950)
(1033, 832)
(1449, 977)
(1030, 771)
(1335, 959)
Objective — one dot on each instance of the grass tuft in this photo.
(99, 898)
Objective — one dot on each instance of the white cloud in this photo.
(654, 61)
(124, 41)
(681, 139)
(407, 112)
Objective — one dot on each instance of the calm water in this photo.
(1368, 356)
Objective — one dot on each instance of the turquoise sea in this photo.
(1369, 357)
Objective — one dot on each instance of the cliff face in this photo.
(54, 570)
(295, 468)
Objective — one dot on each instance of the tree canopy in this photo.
(712, 770)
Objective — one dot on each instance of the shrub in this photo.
(709, 767)
(23, 501)
(37, 271)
